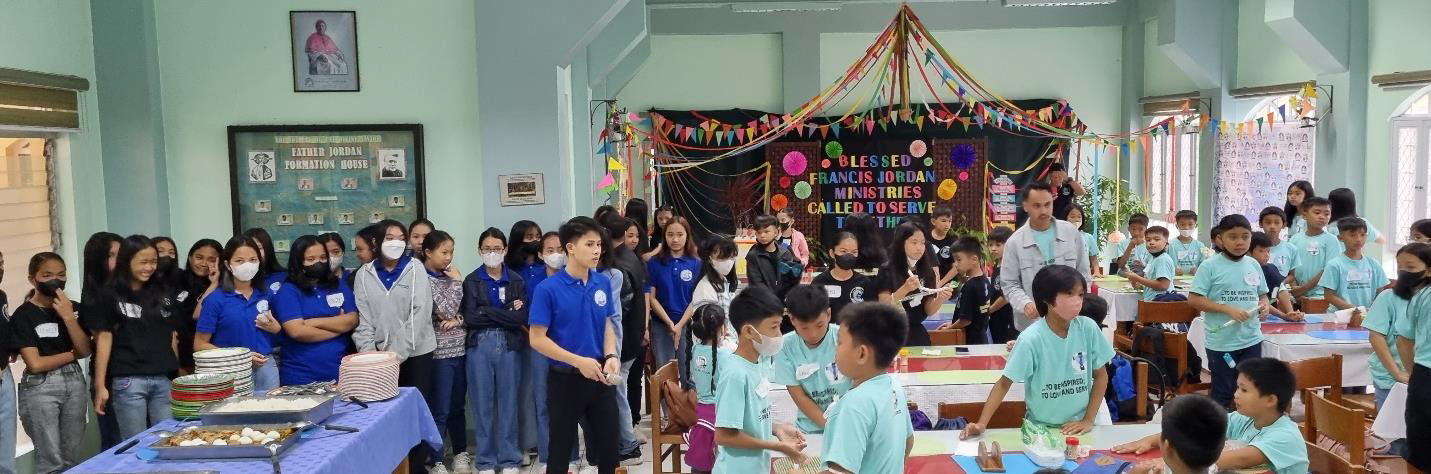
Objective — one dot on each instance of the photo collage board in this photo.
(296, 180)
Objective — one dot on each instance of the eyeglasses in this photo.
(492, 249)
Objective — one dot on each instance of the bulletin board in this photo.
(296, 180)
(1255, 169)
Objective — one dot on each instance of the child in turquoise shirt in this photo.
(1351, 279)
(707, 328)
(1231, 292)
(1058, 358)
(1280, 252)
(1194, 430)
(1157, 277)
(1260, 436)
(1186, 249)
(1314, 248)
(1132, 254)
(1413, 340)
(1075, 217)
(744, 432)
(869, 429)
(806, 362)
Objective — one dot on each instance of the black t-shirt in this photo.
(890, 280)
(40, 328)
(843, 293)
(187, 290)
(1063, 201)
(7, 344)
(143, 331)
(972, 304)
(943, 252)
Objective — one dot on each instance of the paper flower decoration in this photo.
(963, 176)
(825, 163)
(834, 149)
(928, 161)
(947, 188)
(963, 156)
(778, 202)
(794, 163)
(802, 190)
(784, 182)
(917, 148)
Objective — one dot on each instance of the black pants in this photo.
(1223, 366)
(633, 387)
(1001, 325)
(416, 372)
(1418, 418)
(572, 398)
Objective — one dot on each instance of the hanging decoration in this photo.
(963, 157)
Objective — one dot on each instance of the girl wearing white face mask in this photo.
(495, 313)
(394, 300)
(1076, 217)
(237, 314)
(717, 283)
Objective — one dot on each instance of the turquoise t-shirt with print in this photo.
(1239, 284)
(1160, 267)
(1418, 329)
(1384, 316)
(743, 403)
(1355, 281)
(1313, 253)
(1140, 254)
(1187, 256)
(1371, 232)
(1299, 225)
(1092, 243)
(703, 366)
(1281, 442)
(813, 369)
(868, 427)
(1057, 372)
(1283, 256)
(1044, 239)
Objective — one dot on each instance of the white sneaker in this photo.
(462, 464)
(588, 470)
(438, 468)
(511, 470)
(537, 468)
(487, 471)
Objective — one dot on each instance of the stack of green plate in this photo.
(191, 393)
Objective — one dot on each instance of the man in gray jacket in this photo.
(1041, 242)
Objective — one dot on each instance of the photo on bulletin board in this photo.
(325, 50)
(314, 179)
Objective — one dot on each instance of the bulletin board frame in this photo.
(325, 178)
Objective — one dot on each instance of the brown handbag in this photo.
(680, 406)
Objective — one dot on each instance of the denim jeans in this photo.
(7, 422)
(265, 377)
(534, 401)
(493, 370)
(628, 442)
(53, 406)
(663, 343)
(139, 402)
(1224, 375)
(449, 401)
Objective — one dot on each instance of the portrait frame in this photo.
(335, 71)
(524, 189)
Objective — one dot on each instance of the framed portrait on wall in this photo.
(520, 189)
(325, 50)
(314, 179)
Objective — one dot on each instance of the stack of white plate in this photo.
(369, 376)
(236, 362)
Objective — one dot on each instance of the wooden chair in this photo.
(947, 337)
(1322, 461)
(1315, 306)
(1140, 390)
(1009, 414)
(1343, 425)
(1152, 312)
(1317, 373)
(1175, 344)
(664, 444)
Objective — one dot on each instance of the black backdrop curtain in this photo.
(704, 194)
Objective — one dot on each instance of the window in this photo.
(26, 225)
(1172, 182)
(1411, 144)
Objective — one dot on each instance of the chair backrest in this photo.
(1315, 306)
(1152, 312)
(1175, 346)
(1320, 372)
(1009, 415)
(1343, 425)
(1321, 461)
(655, 396)
(947, 337)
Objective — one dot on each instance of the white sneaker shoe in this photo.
(588, 470)
(511, 470)
(438, 468)
(487, 471)
(537, 468)
(462, 464)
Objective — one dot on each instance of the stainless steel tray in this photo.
(315, 415)
(226, 452)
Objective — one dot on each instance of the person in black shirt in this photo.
(873, 253)
(1001, 315)
(842, 284)
(47, 333)
(100, 252)
(769, 264)
(941, 242)
(135, 341)
(190, 286)
(909, 272)
(1065, 190)
(7, 386)
(973, 301)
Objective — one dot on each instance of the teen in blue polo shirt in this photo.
(317, 311)
(673, 274)
(273, 273)
(571, 324)
(238, 314)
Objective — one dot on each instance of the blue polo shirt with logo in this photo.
(674, 280)
(307, 362)
(575, 312)
(230, 318)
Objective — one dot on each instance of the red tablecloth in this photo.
(983, 362)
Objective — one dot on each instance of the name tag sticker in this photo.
(502, 293)
(335, 300)
(805, 370)
(833, 291)
(1250, 278)
(48, 330)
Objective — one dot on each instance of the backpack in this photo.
(1121, 397)
(1167, 366)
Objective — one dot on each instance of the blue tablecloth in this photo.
(389, 430)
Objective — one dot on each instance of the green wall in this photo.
(1160, 75)
(228, 63)
(1263, 58)
(708, 72)
(1397, 32)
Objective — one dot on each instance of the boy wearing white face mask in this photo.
(744, 431)
(1186, 250)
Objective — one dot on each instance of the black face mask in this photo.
(846, 262)
(784, 225)
(318, 271)
(1407, 283)
(50, 288)
(166, 264)
(534, 247)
